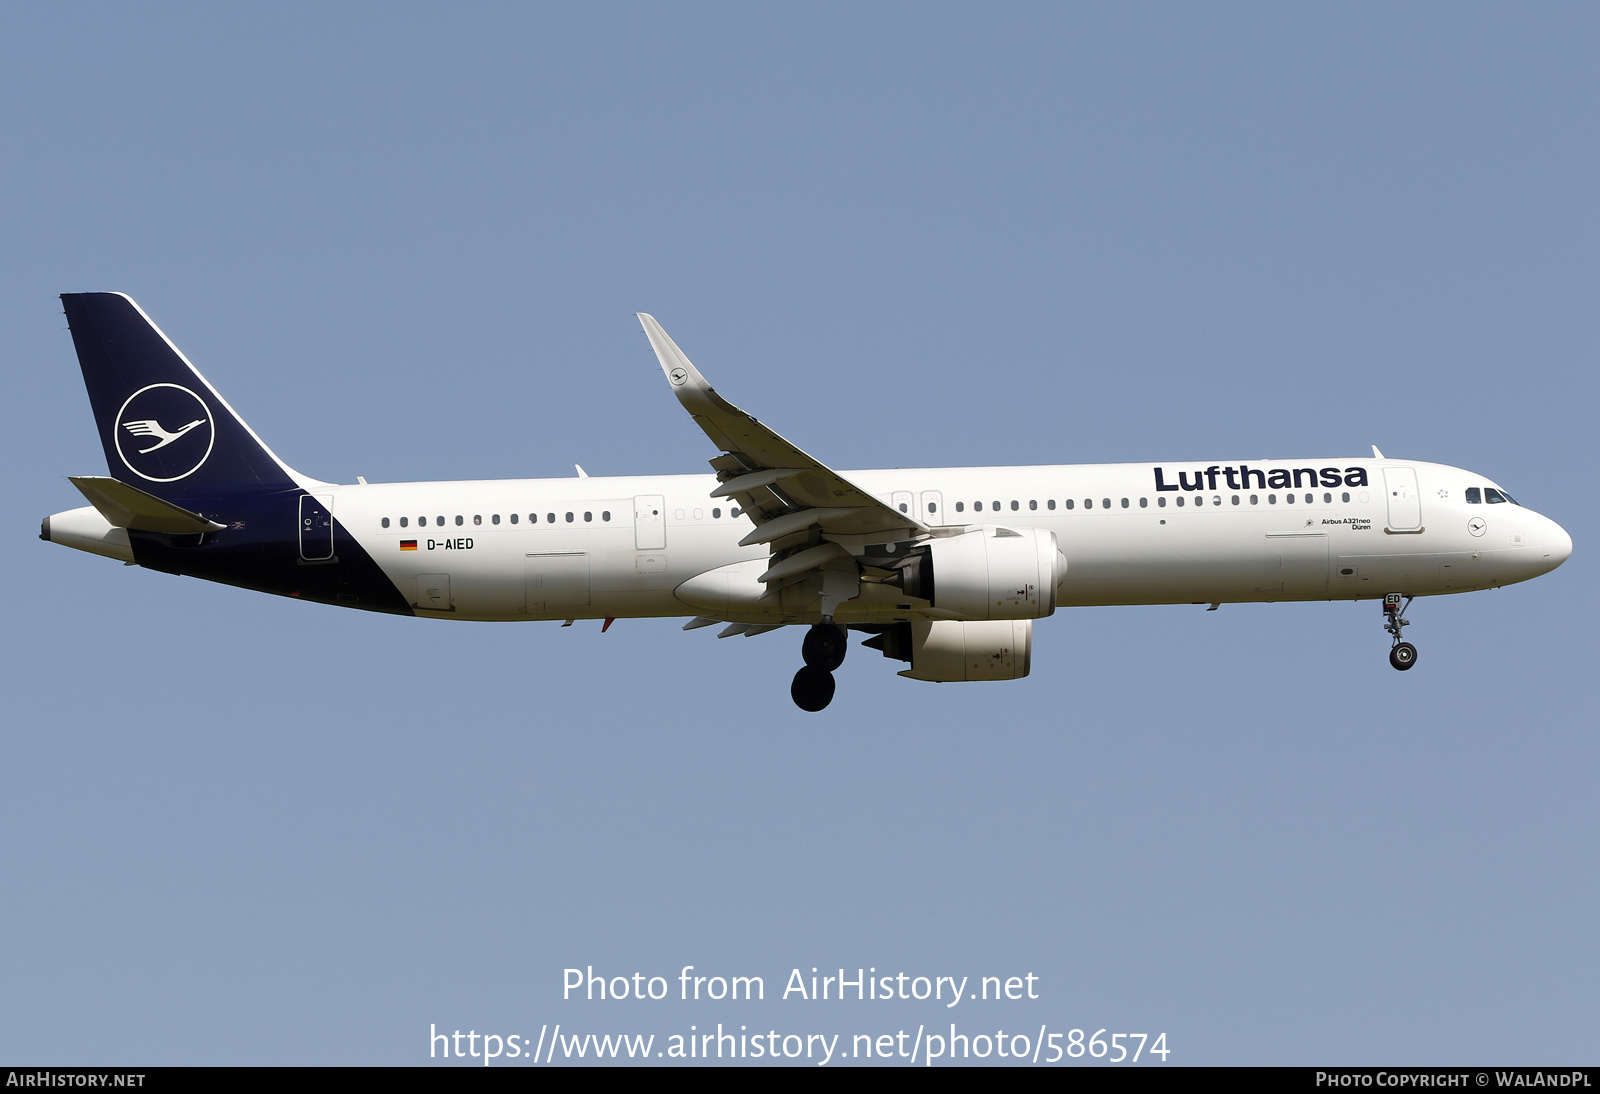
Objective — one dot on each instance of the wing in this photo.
(811, 516)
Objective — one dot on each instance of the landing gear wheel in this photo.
(1403, 656)
(824, 648)
(812, 689)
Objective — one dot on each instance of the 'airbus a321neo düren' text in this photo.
(945, 568)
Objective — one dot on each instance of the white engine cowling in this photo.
(947, 651)
(992, 573)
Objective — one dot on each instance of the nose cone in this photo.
(1557, 545)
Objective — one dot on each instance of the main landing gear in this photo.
(824, 648)
(1402, 655)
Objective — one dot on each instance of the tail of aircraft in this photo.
(166, 431)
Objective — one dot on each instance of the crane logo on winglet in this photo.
(176, 453)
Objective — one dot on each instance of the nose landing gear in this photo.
(1402, 655)
(823, 649)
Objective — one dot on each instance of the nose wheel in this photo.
(823, 649)
(1402, 654)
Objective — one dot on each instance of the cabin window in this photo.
(1105, 503)
(1124, 503)
(1236, 499)
(1032, 504)
(1288, 499)
(439, 521)
(1178, 501)
(477, 519)
(716, 514)
(569, 518)
(1014, 505)
(550, 518)
(513, 518)
(1144, 503)
(1088, 503)
(386, 522)
(977, 507)
(1161, 503)
(495, 519)
(1272, 499)
(996, 507)
(1255, 499)
(1310, 499)
(588, 517)
(460, 520)
(961, 506)
(1345, 496)
(404, 522)
(1051, 504)
(1327, 498)
(1068, 503)
(734, 512)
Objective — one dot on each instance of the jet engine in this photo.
(948, 651)
(987, 573)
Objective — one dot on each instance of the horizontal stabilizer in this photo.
(127, 506)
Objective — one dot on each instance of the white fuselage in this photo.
(623, 546)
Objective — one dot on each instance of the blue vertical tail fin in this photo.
(165, 429)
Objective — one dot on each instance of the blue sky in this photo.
(406, 242)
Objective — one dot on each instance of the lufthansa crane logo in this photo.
(164, 432)
(678, 376)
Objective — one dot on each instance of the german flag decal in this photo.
(408, 545)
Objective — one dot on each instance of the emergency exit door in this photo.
(649, 522)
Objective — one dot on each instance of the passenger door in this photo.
(1405, 499)
(316, 528)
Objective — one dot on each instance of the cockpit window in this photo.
(1492, 496)
(1474, 496)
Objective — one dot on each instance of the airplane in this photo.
(945, 569)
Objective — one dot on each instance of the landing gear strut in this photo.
(1402, 655)
(823, 649)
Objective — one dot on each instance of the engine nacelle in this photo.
(988, 573)
(947, 651)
